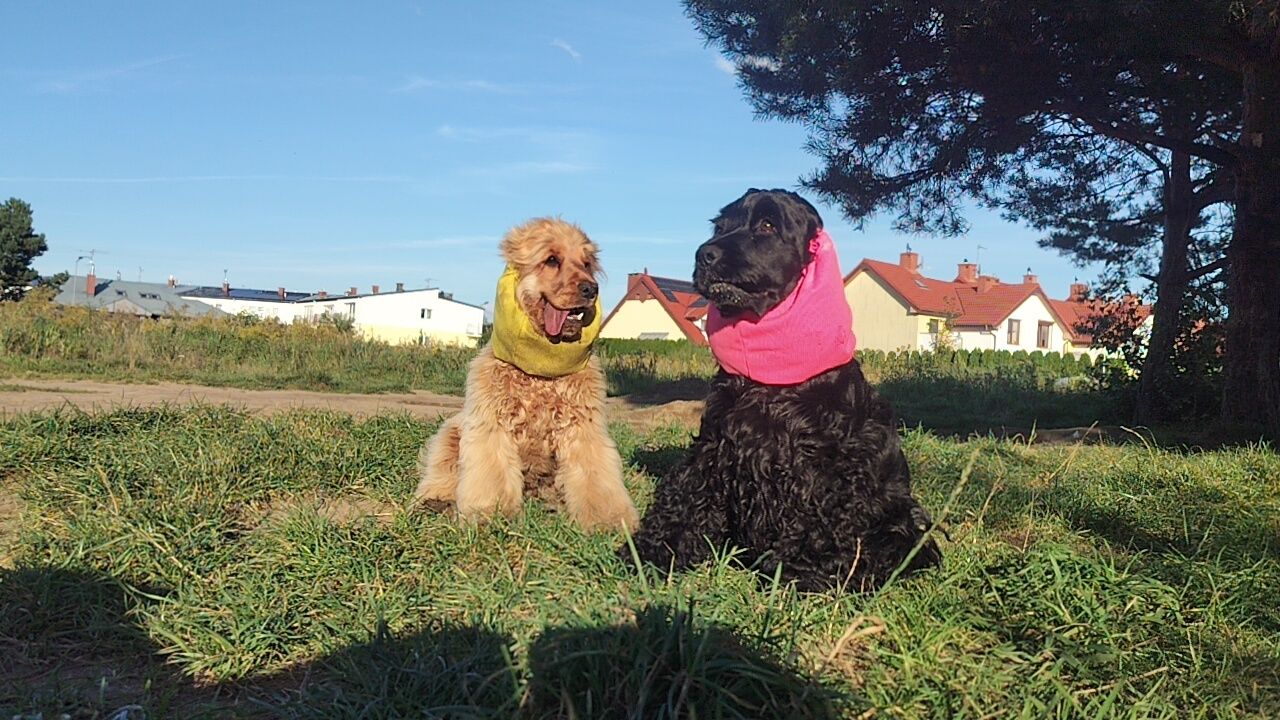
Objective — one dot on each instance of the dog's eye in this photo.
(553, 261)
(766, 225)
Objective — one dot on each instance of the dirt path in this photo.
(23, 395)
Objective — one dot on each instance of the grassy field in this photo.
(200, 562)
(38, 339)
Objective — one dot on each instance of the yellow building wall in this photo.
(880, 320)
(395, 335)
(641, 316)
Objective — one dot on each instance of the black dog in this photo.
(808, 476)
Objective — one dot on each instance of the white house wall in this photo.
(634, 318)
(393, 317)
(398, 317)
(267, 310)
(1030, 313)
(881, 321)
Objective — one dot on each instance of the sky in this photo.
(325, 145)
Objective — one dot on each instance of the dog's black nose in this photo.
(708, 255)
(589, 290)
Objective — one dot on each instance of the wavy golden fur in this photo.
(520, 435)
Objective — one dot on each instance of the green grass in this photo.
(202, 562)
(39, 339)
(42, 340)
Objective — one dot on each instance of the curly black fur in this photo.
(810, 476)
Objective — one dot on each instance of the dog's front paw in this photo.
(620, 517)
(507, 504)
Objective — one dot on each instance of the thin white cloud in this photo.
(443, 242)
(97, 80)
(614, 239)
(88, 180)
(414, 83)
(532, 167)
(560, 151)
(565, 138)
(452, 241)
(730, 67)
(418, 83)
(558, 43)
(762, 63)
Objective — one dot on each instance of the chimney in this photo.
(90, 284)
(226, 289)
(351, 292)
(986, 282)
(1078, 292)
(322, 295)
(967, 272)
(375, 289)
(399, 287)
(1030, 279)
(910, 261)
(281, 293)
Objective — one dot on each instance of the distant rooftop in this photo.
(245, 294)
(137, 298)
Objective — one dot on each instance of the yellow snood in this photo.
(518, 341)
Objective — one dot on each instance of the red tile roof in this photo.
(1079, 313)
(965, 303)
(678, 297)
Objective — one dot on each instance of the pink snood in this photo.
(808, 333)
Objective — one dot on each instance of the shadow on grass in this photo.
(69, 646)
(641, 388)
(1189, 540)
(658, 462)
(665, 665)
(1023, 409)
(1205, 530)
(958, 405)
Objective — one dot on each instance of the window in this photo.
(1015, 326)
(933, 327)
(425, 313)
(351, 311)
(1042, 334)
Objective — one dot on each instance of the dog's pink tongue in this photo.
(553, 319)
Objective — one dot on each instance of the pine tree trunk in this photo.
(1251, 375)
(1171, 290)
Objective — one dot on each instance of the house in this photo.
(895, 307)
(658, 308)
(129, 297)
(403, 316)
(1081, 314)
(398, 317)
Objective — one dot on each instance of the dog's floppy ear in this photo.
(801, 214)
